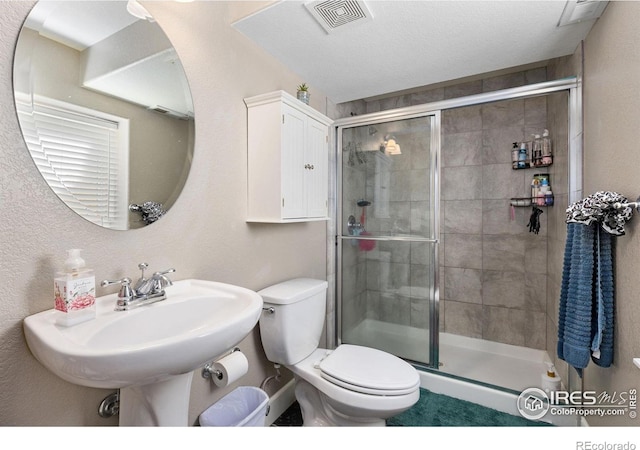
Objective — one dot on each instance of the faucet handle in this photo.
(142, 266)
(164, 272)
(125, 291)
(160, 281)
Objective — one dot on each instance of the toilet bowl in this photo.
(348, 386)
(353, 393)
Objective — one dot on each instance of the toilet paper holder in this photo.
(209, 372)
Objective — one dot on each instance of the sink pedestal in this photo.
(164, 403)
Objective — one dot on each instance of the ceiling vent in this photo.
(334, 15)
(576, 11)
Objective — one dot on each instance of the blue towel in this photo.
(585, 323)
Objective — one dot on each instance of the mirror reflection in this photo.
(105, 109)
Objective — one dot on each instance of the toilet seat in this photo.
(369, 371)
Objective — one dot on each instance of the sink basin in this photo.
(153, 345)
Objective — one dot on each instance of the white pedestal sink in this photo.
(149, 353)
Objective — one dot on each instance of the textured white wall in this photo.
(612, 163)
(203, 236)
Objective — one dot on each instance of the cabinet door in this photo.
(293, 160)
(316, 169)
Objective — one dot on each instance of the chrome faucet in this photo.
(144, 292)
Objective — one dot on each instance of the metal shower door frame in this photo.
(571, 85)
(433, 239)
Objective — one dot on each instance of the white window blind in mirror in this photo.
(83, 155)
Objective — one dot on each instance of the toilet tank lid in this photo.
(292, 291)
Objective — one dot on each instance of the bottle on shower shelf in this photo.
(536, 152)
(547, 157)
(515, 155)
(522, 157)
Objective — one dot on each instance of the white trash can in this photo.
(245, 406)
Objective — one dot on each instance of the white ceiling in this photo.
(79, 24)
(125, 57)
(409, 44)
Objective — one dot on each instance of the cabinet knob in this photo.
(308, 166)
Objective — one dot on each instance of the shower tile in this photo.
(463, 89)
(463, 318)
(535, 112)
(395, 308)
(535, 335)
(421, 253)
(373, 106)
(393, 218)
(535, 254)
(420, 152)
(442, 315)
(503, 288)
(503, 252)
(463, 285)
(395, 252)
(432, 95)
(462, 183)
(421, 281)
(462, 216)
(462, 149)
(385, 277)
(551, 338)
(503, 82)
(496, 218)
(501, 181)
(420, 185)
(463, 251)
(497, 144)
(421, 218)
(506, 113)
(349, 282)
(419, 313)
(537, 75)
(399, 101)
(400, 186)
(441, 250)
(535, 294)
(354, 311)
(504, 325)
(462, 119)
(370, 307)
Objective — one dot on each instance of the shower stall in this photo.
(389, 232)
(425, 235)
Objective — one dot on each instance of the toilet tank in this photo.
(292, 332)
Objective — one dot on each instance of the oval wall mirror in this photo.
(105, 109)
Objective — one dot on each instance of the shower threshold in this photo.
(505, 366)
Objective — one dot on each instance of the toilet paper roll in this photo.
(231, 368)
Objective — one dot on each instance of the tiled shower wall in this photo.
(493, 271)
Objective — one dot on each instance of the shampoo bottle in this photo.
(547, 158)
(74, 291)
(550, 380)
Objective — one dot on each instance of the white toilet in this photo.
(348, 386)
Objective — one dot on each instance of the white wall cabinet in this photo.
(288, 160)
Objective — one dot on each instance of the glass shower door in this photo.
(387, 246)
